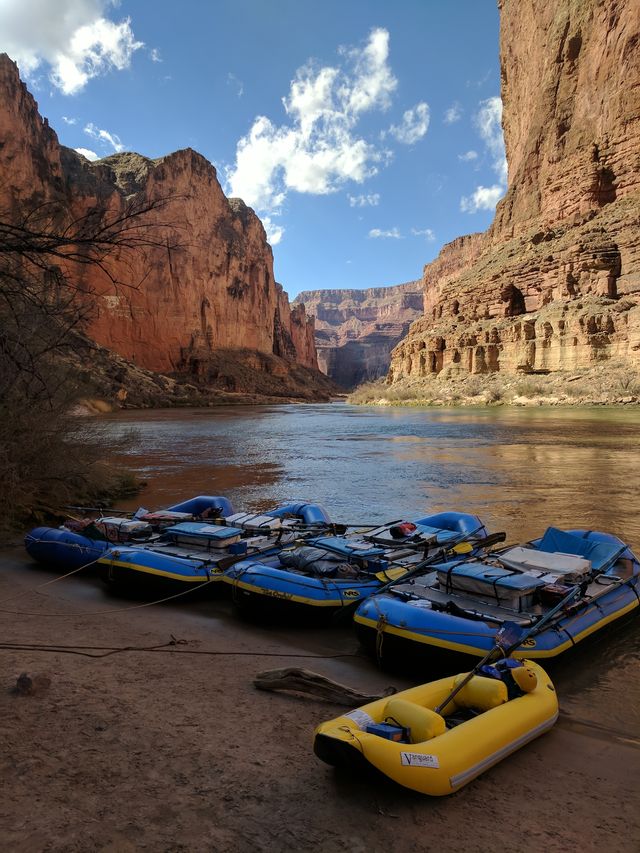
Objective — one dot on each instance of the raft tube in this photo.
(62, 549)
(432, 757)
(311, 514)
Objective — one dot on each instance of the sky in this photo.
(364, 133)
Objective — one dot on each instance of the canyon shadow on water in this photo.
(518, 469)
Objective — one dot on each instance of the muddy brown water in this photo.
(518, 469)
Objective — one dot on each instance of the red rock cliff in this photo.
(209, 284)
(555, 282)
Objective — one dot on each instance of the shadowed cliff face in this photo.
(206, 286)
(555, 282)
(357, 329)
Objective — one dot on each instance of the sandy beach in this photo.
(175, 750)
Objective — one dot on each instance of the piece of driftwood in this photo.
(318, 686)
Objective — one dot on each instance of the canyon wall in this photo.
(204, 283)
(357, 329)
(554, 284)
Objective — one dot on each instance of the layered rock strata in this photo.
(204, 283)
(357, 329)
(555, 282)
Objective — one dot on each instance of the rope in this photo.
(113, 609)
(107, 651)
(46, 583)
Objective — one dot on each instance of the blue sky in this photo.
(365, 133)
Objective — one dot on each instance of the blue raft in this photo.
(449, 617)
(192, 554)
(62, 548)
(329, 573)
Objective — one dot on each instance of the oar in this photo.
(509, 637)
(102, 509)
(434, 558)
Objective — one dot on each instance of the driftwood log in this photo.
(318, 686)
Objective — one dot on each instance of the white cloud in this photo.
(427, 233)
(274, 231)
(371, 200)
(318, 149)
(234, 81)
(453, 114)
(86, 152)
(483, 198)
(68, 120)
(468, 156)
(154, 53)
(414, 125)
(488, 122)
(73, 37)
(103, 136)
(392, 233)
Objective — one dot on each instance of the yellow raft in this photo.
(436, 756)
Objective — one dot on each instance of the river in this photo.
(518, 469)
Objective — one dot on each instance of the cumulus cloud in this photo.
(483, 198)
(154, 53)
(370, 200)
(468, 156)
(74, 38)
(453, 114)
(86, 152)
(318, 148)
(274, 231)
(414, 125)
(380, 234)
(427, 233)
(107, 139)
(488, 122)
(68, 120)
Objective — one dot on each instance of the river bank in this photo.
(602, 385)
(174, 750)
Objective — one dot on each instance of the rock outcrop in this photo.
(357, 329)
(202, 286)
(555, 282)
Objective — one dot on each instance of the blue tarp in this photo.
(601, 554)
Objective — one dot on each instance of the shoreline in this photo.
(603, 385)
(175, 750)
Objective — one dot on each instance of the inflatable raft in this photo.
(447, 618)
(330, 573)
(404, 737)
(76, 544)
(196, 553)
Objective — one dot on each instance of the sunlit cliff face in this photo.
(555, 282)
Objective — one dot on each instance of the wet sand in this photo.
(175, 751)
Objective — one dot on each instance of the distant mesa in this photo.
(356, 330)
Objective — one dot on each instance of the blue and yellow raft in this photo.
(68, 547)
(447, 618)
(326, 574)
(196, 553)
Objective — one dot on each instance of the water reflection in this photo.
(519, 469)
